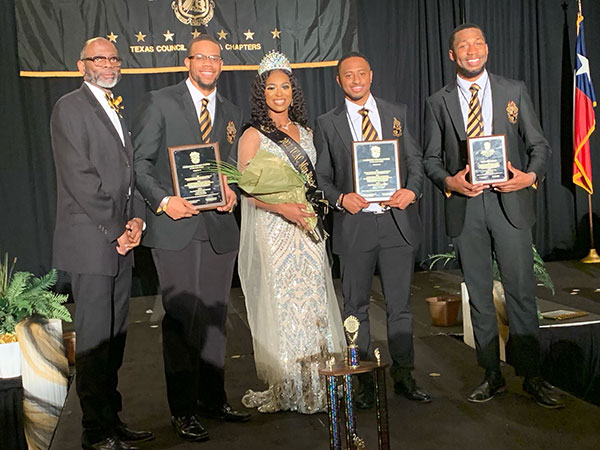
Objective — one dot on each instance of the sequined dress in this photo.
(292, 308)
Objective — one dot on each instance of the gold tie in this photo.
(475, 117)
(368, 130)
(115, 103)
(205, 124)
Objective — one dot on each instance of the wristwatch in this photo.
(162, 207)
(338, 204)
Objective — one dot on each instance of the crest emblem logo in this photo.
(231, 132)
(512, 111)
(195, 157)
(194, 12)
(397, 128)
(376, 151)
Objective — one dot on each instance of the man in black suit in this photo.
(496, 219)
(96, 227)
(367, 235)
(194, 252)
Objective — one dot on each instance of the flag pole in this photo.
(592, 257)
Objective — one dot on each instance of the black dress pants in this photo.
(395, 258)
(195, 284)
(488, 231)
(101, 308)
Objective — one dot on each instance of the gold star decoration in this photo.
(140, 37)
(249, 34)
(195, 33)
(168, 36)
(276, 33)
(112, 37)
(222, 34)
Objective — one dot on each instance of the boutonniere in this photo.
(231, 132)
(512, 111)
(397, 128)
(115, 103)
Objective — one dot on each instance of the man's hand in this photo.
(295, 213)
(123, 243)
(518, 180)
(400, 199)
(134, 231)
(230, 198)
(458, 183)
(353, 202)
(177, 208)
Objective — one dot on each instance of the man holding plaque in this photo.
(97, 224)
(487, 220)
(385, 233)
(194, 251)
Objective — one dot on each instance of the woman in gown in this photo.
(285, 275)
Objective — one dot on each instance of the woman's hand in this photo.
(295, 213)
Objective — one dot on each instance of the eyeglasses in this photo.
(201, 57)
(101, 60)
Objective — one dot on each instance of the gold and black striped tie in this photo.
(205, 124)
(475, 117)
(368, 130)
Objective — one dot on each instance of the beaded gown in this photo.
(291, 303)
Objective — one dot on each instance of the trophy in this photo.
(377, 354)
(351, 325)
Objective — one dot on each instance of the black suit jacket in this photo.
(446, 147)
(333, 140)
(94, 184)
(168, 118)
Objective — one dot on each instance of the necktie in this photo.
(114, 103)
(368, 130)
(205, 124)
(475, 117)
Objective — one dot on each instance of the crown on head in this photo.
(274, 61)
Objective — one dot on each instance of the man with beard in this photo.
(365, 235)
(97, 225)
(491, 220)
(194, 252)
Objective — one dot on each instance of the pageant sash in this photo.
(302, 163)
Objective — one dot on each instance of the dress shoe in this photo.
(109, 443)
(188, 428)
(408, 387)
(128, 435)
(224, 413)
(543, 393)
(492, 384)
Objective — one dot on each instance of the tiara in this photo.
(274, 61)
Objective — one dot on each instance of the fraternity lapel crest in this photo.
(397, 127)
(231, 132)
(512, 111)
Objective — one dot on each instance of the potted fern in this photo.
(22, 295)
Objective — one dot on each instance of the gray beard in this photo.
(98, 82)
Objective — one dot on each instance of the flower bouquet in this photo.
(270, 180)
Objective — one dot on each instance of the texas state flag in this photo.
(584, 121)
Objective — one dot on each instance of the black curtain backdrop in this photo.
(406, 41)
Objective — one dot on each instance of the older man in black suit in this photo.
(366, 235)
(194, 252)
(96, 227)
(487, 220)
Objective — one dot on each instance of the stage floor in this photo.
(445, 367)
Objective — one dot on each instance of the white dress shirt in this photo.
(197, 97)
(355, 121)
(100, 94)
(485, 98)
